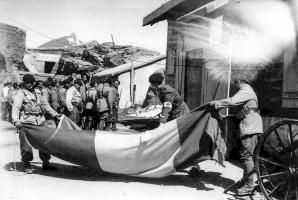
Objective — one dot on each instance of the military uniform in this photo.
(29, 108)
(151, 97)
(90, 112)
(73, 104)
(106, 95)
(62, 99)
(250, 124)
(115, 106)
(53, 99)
(173, 104)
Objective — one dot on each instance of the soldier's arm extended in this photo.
(240, 98)
(167, 107)
(17, 105)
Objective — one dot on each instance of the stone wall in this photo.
(12, 47)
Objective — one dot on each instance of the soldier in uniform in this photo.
(173, 104)
(115, 107)
(29, 108)
(74, 102)
(250, 127)
(90, 111)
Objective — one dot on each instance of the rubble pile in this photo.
(95, 57)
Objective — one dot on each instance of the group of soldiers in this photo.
(91, 104)
(43, 103)
(94, 105)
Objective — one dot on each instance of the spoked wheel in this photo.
(276, 161)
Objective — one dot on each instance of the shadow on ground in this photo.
(80, 173)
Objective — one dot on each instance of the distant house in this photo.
(41, 62)
(133, 77)
(193, 26)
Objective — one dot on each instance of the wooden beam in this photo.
(172, 10)
(151, 18)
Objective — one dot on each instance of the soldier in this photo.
(43, 89)
(250, 127)
(53, 96)
(11, 96)
(6, 108)
(74, 102)
(29, 108)
(115, 107)
(173, 104)
(62, 95)
(151, 97)
(90, 110)
(104, 104)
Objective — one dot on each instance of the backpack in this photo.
(89, 104)
(101, 103)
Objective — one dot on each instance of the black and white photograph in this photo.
(140, 99)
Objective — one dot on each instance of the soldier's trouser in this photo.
(102, 120)
(8, 110)
(74, 115)
(26, 150)
(4, 111)
(248, 144)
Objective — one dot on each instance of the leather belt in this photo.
(243, 113)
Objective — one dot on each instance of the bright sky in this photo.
(88, 19)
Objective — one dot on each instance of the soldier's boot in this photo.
(194, 171)
(27, 168)
(46, 166)
(248, 186)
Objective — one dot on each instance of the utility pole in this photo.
(132, 77)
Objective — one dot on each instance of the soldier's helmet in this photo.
(156, 78)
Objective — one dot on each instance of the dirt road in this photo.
(73, 182)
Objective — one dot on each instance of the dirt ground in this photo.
(73, 182)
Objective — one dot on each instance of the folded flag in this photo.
(163, 151)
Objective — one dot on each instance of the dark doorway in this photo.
(193, 78)
(48, 67)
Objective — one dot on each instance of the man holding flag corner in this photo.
(29, 108)
(250, 127)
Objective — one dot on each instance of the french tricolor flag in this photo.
(163, 151)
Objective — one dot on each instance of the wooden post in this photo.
(228, 95)
(132, 76)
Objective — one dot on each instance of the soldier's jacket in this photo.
(91, 95)
(82, 91)
(73, 97)
(62, 96)
(173, 104)
(104, 90)
(30, 108)
(53, 99)
(151, 97)
(246, 99)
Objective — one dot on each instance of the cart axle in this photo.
(293, 170)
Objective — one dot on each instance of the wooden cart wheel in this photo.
(276, 161)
